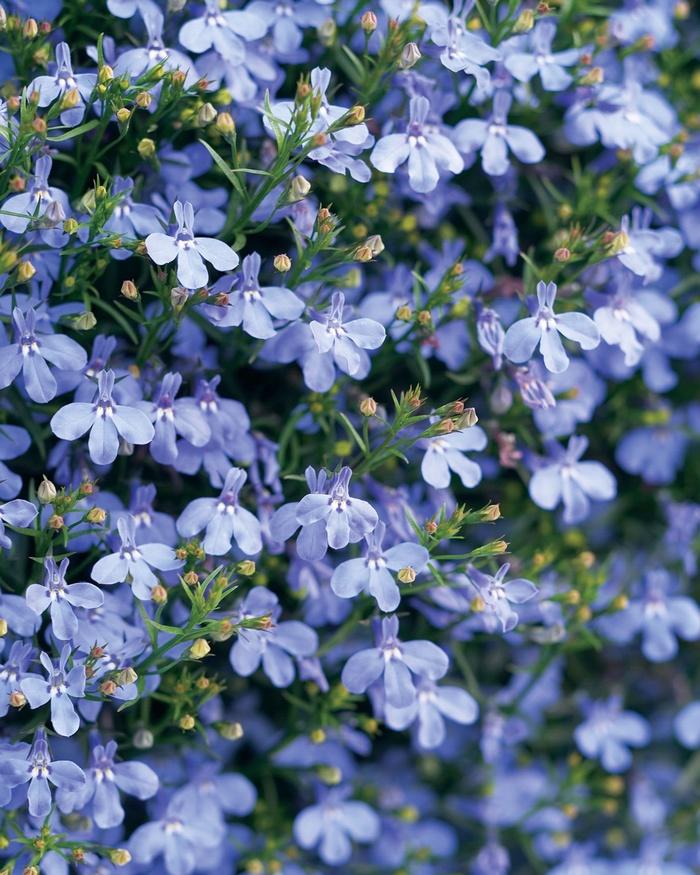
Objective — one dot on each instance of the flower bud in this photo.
(143, 739)
(25, 271)
(478, 604)
(282, 263)
(126, 676)
(246, 568)
(56, 522)
(70, 99)
(430, 527)
(524, 22)
(225, 124)
(327, 32)
(159, 594)
(620, 602)
(368, 22)
(146, 148)
(410, 55)
(200, 648)
(3, 627)
(30, 29)
(594, 76)
(355, 115)
(17, 699)
(363, 254)
(124, 114)
(562, 254)
(491, 513)
(120, 856)
(230, 731)
(129, 290)
(368, 407)
(467, 419)
(30, 870)
(206, 115)
(330, 775)
(108, 688)
(191, 578)
(404, 313)
(85, 321)
(143, 99)
(299, 188)
(106, 74)
(407, 574)
(46, 491)
(186, 722)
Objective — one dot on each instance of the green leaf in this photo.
(228, 172)
(74, 132)
(350, 428)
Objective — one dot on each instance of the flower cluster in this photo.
(349, 437)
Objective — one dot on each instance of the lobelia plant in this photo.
(349, 437)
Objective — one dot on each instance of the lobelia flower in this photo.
(14, 441)
(498, 596)
(445, 454)
(129, 221)
(135, 62)
(227, 32)
(181, 836)
(505, 237)
(61, 597)
(494, 137)
(541, 60)
(42, 206)
(224, 519)
(686, 725)
(426, 149)
(64, 81)
(17, 513)
(133, 564)
(252, 305)
(462, 50)
(578, 391)
(638, 246)
(660, 614)
(312, 543)
(563, 478)
(190, 251)
(345, 341)
(30, 353)
(372, 574)
(432, 705)
(172, 417)
(608, 732)
(333, 822)
(286, 20)
(37, 769)
(60, 688)
(103, 781)
(655, 453)
(14, 670)
(274, 645)
(544, 327)
(395, 662)
(106, 421)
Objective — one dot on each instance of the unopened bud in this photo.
(191, 578)
(56, 522)
(225, 124)
(124, 114)
(355, 115)
(363, 254)
(620, 602)
(3, 627)
(524, 22)
(126, 676)
(206, 115)
(594, 76)
(330, 775)
(282, 263)
(317, 736)
(30, 870)
(491, 513)
(200, 648)
(30, 29)
(430, 527)
(368, 22)
(85, 321)
(108, 688)
(186, 722)
(407, 574)
(120, 856)
(230, 731)
(410, 55)
(246, 568)
(146, 148)
(106, 74)
(477, 604)
(143, 100)
(46, 491)
(25, 271)
(404, 313)
(17, 699)
(70, 99)
(562, 254)
(299, 188)
(468, 419)
(615, 242)
(159, 594)
(424, 317)
(129, 290)
(179, 297)
(327, 32)
(143, 739)
(368, 407)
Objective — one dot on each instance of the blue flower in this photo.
(30, 354)
(130, 221)
(286, 20)
(103, 781)
(224, 519)
(14, 441)
(227, 32)
(345, 341)
(64, 80)
(60, 688)
(105, 420)
(444, 454)
(426, 149)
(252, 305)
(372, 574)
(395, 662)
(655, 453)
(18, 513)
(274, 645)
(135, 62)
(15, 668)
(494, 137)
(428, 711)
(190, 251)
(462, 51)
(638, 246)
(134, 563)
(608, 732)
(541, 60)
(35, 767)
(544, 327)
(497, 597)
(172, 417)
(61, 597)
(41, 207)
(333, 823)
(564, 478)
(505, 237)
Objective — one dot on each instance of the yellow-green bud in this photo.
(120, 856)
(146, 148)
(200, 648)
(299, 188)
(525, 21)
(407, 574)
(282, 263)
(129, 290)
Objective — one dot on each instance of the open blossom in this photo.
(135, 563)
(564, 478)
(497, 596)
(541, 61)
(32, 352)
(60, 598)
(41, 206)
(346, 341)
(173, 417)
(105, 777)
(224, 520)
(432, 705)
(444, 454)
(372, 573)
(191, 252)
(543, 327)
(106, 421)
(63, 81)
(461, 49)
(250, 304)
(226, 31)
(18, 513)
(495, 137)
(60, 687)
(427, 150)
(608, 732)
(35, 767)
(395, 662)
(273, 646)
(333, 823)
